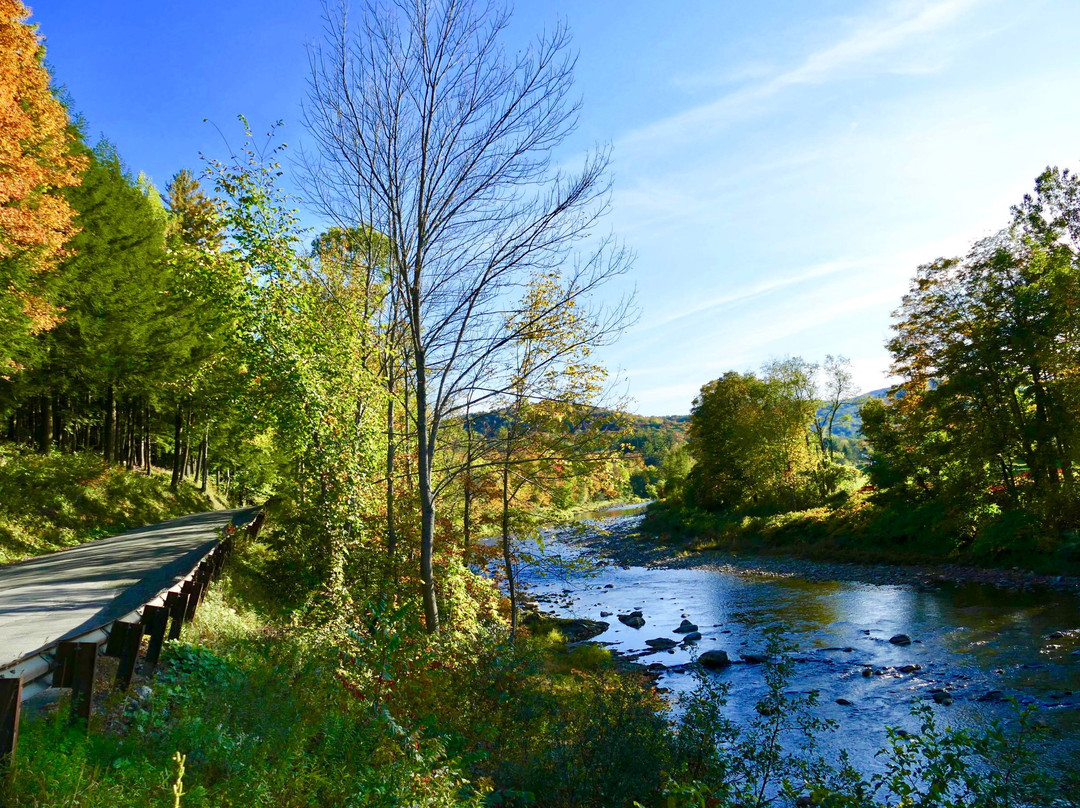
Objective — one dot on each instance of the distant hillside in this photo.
(655, 435)
(848, 423)
(651, 435)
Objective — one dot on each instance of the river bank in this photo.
(624, 542)
(872, 644)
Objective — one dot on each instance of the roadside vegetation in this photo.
(266, 702)
(55, 500)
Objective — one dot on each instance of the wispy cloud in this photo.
(871, 45)
(746, 293)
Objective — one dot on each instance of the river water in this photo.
(967, 639)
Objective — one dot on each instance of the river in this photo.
(972, 640)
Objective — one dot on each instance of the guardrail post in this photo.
(256, 524)
(10, 707)
(178, 609)
(193, 599)
(189, 592)
(205, 576)
(77, 666)
(156, 619)
(124, 642)
(217, 561)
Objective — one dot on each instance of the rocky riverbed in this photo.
(621, 541)
(872, 640)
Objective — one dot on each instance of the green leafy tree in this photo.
(749, 438)
(984, 420)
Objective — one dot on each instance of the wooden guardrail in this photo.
(72, 663)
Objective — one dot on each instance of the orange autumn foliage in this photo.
(36, 163)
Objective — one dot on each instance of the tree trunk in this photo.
(131, 432)
(58, 410)
(427, 501)
(408, 438)
(466, 521)
(507, 560)
(391, 534)
(149, 447)
(46, 424)
(203, 457)
(110, 424)
(185, 450)
(178, 425)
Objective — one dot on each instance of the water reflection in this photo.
(970, 639)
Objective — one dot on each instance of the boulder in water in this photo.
(661, 643)
(754, 659)
(580, 629)
(685, 627)
(900, 639)
(714, 659)
(634, 619)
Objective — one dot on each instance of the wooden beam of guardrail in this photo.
(77, 666)
(156, 619)
(178, 609)
(10, 708)
(124, 642)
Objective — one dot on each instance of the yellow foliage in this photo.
(36, 163)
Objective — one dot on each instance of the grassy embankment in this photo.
(267, 712)
(863, 529)
(50, 502)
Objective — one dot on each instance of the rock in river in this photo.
(900, 639)
(685, 627)
(581, 629)
(693, 636)
(661, 643)
(943, 697)
(754, 659)
(634, 619)
(714, 659)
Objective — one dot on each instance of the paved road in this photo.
(65, 594)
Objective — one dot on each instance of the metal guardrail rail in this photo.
(72, 662)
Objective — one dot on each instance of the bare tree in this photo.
(427, 130)
(839, 385)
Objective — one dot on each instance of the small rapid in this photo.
(973, 647)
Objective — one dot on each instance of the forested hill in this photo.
(654, 435)
(650, 435)
(848, 421)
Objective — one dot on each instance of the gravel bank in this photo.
(621, 542)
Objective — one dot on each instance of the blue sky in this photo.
(780, 168)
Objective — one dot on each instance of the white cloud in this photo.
(747, 293)
(864, 49)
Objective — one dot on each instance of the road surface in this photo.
(66, 594)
